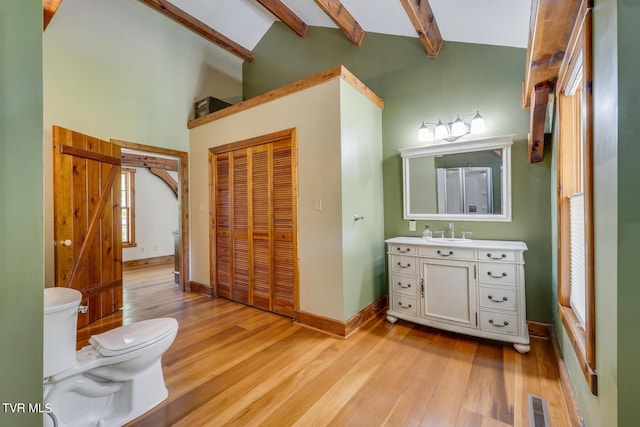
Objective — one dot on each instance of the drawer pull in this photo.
(404, 251)
(498, 257)
(404, 287)
(442, 254)
(505, 323)
(404, 306)
(497, 277)
(403, 266)
(495, 300)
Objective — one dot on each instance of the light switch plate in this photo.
(412, 225)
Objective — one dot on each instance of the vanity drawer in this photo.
(446, 252)
(404, 284)
(496, 273)
(499, 297)
(403, 249)
(404, 304)
(502, 323)
(497, 255)
(404, 264)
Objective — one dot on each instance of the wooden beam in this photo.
(200, 28)
(49, 8)
(144, 161)
(421, 16)
(539, 102)
(343, 19)
(166, 178)
(549, 32)
(286, 15)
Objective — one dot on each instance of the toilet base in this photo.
(89, 399)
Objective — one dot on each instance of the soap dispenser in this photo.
(427, 234)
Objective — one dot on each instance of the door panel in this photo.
(222, 224)
(87, 221)
(283, 227)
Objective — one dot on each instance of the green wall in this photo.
(628, 233)
(21, 217)
(464, 78)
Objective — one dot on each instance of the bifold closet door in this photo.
(255, 226)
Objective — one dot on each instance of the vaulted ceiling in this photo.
(541, 26)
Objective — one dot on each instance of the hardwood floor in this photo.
(239, 366)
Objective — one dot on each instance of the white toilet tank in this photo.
(60, 323)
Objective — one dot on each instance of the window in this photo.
(127, 204)
(576, 296)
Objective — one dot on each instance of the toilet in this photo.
(115, 379)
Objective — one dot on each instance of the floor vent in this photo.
(538, 412)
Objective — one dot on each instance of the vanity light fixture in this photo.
(453, 130)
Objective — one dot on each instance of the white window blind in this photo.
(576, 232)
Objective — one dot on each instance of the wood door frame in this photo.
(286, 134)
(183, 199)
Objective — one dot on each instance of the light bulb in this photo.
(424, 134)
(458, 128)
(442, 131)
(477, 123)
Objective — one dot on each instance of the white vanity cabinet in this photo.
(470, 287)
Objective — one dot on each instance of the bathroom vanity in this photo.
(473, 287)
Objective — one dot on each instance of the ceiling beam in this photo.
(145, 161)
(421, 16)
(539, 102)
(286, 15)
(549, 32)
(343, 19)
(49, 8)
(200, 28)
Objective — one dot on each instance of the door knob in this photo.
(62, 242)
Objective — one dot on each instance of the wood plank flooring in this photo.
(233, 365)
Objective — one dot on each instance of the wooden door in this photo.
(253, 225)
(87, 221)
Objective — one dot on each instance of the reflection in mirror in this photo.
(468, 180)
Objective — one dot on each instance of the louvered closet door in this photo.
(222, 196)
(254, 191)
(240, 282)
(261, 174)
(283, 229)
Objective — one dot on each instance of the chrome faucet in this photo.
(451, 229)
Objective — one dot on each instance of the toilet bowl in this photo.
(110, 382)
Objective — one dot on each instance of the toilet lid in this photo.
(131, 337)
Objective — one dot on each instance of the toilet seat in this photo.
(129, 338)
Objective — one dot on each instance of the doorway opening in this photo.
(168, 168)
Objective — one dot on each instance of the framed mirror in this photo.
(462, 180)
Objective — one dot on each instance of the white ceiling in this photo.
(494, 22)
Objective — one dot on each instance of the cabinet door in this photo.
(448, 290)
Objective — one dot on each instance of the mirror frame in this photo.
(493, 143)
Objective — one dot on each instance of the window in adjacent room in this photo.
(576, 296)
(127, 203)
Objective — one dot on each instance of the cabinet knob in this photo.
(495, 300)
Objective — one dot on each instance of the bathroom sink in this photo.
(450, 240)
